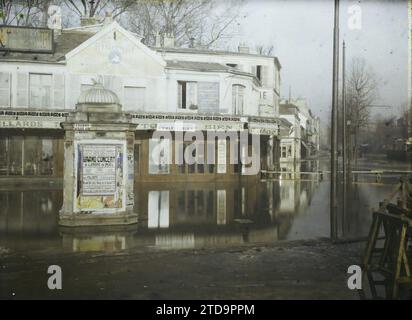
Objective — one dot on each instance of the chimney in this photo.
(88, 21)
(243, 48)
(169, 41)
(54, 19)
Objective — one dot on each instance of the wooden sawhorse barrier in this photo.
(391, 259)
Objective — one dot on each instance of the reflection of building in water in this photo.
(179, 216)
(100, 239)
(29, 212)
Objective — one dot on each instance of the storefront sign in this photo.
(190, 126)
(98, 170)
(35, 124)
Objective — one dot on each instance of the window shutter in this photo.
(253, 71)
(22, 90)
(191, 94)
(58, 91)
(264, 76)
(5, 86)
(179, 95)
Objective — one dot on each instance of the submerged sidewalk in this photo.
(285, 270)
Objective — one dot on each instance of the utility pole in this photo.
(334, 122)
(343, 137)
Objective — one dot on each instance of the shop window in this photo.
(4, 156)
(31, 156)
(210, 205)
(159, 156)
(191, 202)
(46, 163)
(40, 86)
(15, 155)
(181, 201)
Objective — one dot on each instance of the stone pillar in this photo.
(98, 162)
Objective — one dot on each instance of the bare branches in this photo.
(265, 50)
(206, 21)
(361, 93)
(23, 12)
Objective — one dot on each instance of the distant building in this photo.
(302, 140)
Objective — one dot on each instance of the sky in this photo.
(302, 35)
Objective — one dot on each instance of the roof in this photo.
(213, 52)
(197, 66)
(285, 123)
(288, 108)
(64, 43)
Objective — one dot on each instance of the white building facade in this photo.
(160, 87)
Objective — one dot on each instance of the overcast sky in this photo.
(302, 34)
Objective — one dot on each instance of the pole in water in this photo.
(343, 139)
(333, 184)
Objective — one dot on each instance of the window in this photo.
(4, 151)
(40, 90)
(283, 151)
(134, 98)
(259, 72)
(289, 151)
(238, 96)
(187, 95)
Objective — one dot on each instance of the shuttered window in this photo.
(134, 98)
(58, 90)
(22, 95)
(5, 86)
(238, 99)
(40, 90)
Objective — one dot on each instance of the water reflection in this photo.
(192, 215)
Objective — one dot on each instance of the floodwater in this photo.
(197, 215)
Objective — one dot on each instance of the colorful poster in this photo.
(99, 170)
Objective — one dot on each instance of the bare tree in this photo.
(23, 12)
(361, 92)
(265, 50)
(203, 22)
(96, 8)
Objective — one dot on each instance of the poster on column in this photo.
(100, 176)
(99, 170)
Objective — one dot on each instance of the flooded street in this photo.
(214, 238)
(195, 215)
